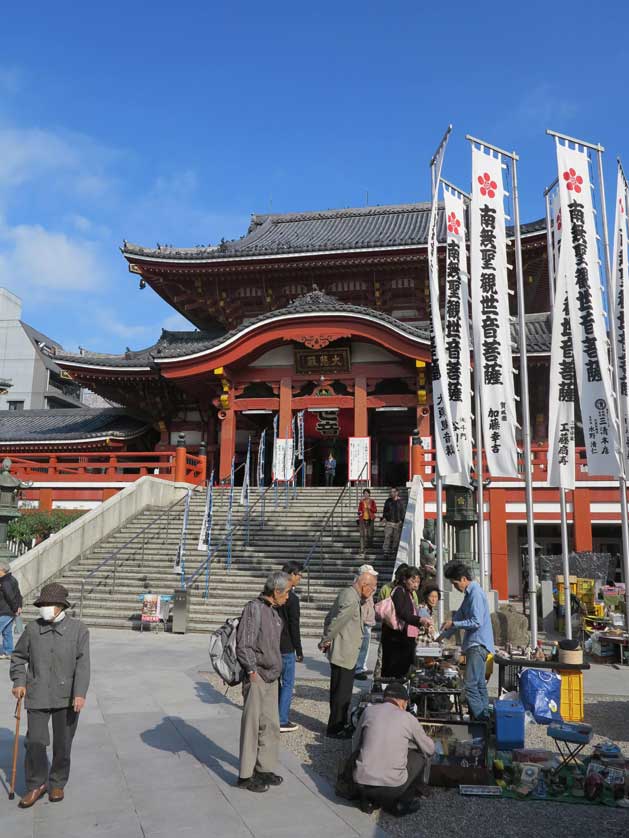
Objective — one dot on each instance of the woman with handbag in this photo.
(400, 632)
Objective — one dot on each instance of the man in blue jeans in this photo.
(10, 608)
(290, 646)
(478, 639)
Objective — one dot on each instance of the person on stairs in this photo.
(367, 511)
(258, 652)
(393, 514)
(50, 668)
(290, 645)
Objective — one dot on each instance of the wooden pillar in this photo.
(423, 421)
(180, 459)
(286, 413)
(582, 521)
(227, 443)
(361, 424)
(498, 541)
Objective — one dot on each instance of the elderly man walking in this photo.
(342, 639)
(51, 667)
(258, 652)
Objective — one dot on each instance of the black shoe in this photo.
(345, 733)
(252, 784)
(367, 807)
(401, 808)
(362, 676)
(269, 778)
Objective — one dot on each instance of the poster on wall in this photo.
(283, 460)
(359, 458)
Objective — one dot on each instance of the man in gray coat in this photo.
(342, 639)
(50, 667)
(258, 652)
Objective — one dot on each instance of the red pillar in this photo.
(498, 541)
(45, 500)
(360, 406)
(286, 413)
(582, 522)
(227, 443)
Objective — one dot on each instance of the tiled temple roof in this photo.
(68, 425)
(336, 230)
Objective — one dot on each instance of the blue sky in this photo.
(172, 122)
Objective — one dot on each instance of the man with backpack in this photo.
(258, 652)
(10, 608)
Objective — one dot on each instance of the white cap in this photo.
(367, 568)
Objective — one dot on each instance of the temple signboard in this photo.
(322, 360)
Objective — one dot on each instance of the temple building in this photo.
(327, 312)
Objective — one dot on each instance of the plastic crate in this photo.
(571, 696)
(585, 586)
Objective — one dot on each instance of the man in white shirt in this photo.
(394, 755)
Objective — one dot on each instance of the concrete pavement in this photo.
(156, 754)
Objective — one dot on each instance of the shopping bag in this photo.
(540, 693)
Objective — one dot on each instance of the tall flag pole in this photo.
(458, 350)
(492, 330)
(561, 432)
(440, 404)
(578, 259)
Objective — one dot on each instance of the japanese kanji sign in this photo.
(448, 460)
(578, 263)
(323, 360)
(561, 425)
(490, 314)
(457, 334)
(620, 310)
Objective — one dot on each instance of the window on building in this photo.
(16, 405)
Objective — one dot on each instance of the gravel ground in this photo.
(448, 814)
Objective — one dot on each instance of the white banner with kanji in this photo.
(457, 329)
(447, 455)
(579, 263)
(490, 314)
(619, 308)
(561, 424)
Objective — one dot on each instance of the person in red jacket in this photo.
(367, 510)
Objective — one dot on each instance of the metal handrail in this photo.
(229, 534)
(112, 556)
(323, 528)
(227, 480)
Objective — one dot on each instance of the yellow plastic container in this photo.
(571, 696)
(598, 609)
(585, 586)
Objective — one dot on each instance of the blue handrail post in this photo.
(210, 511)
(229, 517)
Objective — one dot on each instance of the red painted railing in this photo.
(102, 466)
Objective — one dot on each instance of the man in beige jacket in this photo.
(342, 639)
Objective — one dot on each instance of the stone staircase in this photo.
(146, 564)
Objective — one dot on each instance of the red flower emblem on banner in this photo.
(487, 185)
(573, 181)
(559, 221)
(453, 224)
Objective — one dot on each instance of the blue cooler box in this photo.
(509, 725)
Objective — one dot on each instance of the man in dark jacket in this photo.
(258, 652)
(393, 516)
(290, 645)
(10, 608)
(51, 668)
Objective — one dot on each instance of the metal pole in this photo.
(526, 419)
(549, 255)
(480, 489)
(622, 479)
(565, 563)
(439, 539)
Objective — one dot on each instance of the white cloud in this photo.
(34, 259)
(177, 323)
(110, 322)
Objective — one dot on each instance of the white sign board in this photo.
(359, 458)
(283, 460)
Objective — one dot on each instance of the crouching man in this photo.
(393, 764)
(258, 652)
(50, 667)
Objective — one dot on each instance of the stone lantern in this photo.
(10, 487)
(461, 514)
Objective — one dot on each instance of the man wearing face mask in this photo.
(50, 668)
